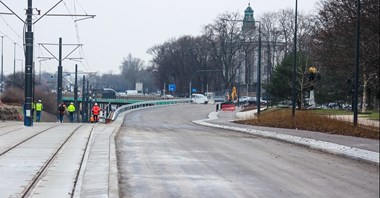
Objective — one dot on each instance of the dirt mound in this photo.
(10, 112)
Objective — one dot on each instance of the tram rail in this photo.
(24, 140)
(39, 166)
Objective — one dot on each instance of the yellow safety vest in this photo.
(71, 108)
(39, 106)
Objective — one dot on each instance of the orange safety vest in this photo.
(95, 110)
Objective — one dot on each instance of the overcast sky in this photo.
(119, 28)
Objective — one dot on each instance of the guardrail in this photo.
(148, 104)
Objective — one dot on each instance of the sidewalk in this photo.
(352, 147)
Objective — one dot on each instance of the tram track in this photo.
(24, 140)
(82, 162)
(9, 132)
(54, 160)
(7, 126)
(34, 158)
(29, 188)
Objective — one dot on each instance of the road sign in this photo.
(172, 87)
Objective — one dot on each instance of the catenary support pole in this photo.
(2, 63)
(88, 109)
(28, 116)
(76, 93)
(84, 104)
(14, 64)
(59, 81)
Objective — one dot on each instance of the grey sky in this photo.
(119, 28)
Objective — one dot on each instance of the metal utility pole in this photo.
(294, 65)
(357, 64)
(2, 65)
(28, 114)
(88, 109)
(60, 59)
(59, 81)
(258, 95)
(14, 63)
(76, 92)
(84, 109)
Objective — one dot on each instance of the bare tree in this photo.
(130, 69)
(15, 81)
(225, 38)
(334, 42)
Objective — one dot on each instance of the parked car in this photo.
(246, 99)
(262, 101)
(167, 96)
(199, 98)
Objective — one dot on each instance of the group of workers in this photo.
(38, 107)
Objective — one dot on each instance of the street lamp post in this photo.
(258, 95)
(294, 65)
(357, 63)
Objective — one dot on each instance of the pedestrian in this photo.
(61, 111)
(38, 107)
(71, 110)
(95, 112)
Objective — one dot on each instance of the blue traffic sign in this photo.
(172, 87)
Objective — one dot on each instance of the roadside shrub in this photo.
(308, 120)
(13, 96)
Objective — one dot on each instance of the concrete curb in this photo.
(351, 152)
(113, 178)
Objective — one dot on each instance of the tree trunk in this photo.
(301, 99)
(364, 97)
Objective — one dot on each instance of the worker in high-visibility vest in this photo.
(71, 110)
(38, 107)
(95, 112)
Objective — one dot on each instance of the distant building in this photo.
(272, 52)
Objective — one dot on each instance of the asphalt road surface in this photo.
(162, 154)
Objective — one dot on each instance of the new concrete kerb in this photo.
(328, 147)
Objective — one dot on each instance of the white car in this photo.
(245, 99)
(199, 98)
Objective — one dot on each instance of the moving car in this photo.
(199, 98)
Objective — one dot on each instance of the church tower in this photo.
(249, 20)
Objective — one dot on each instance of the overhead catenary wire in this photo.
(10, 27)
(8, 37)
(19, 39)
(81, 51)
